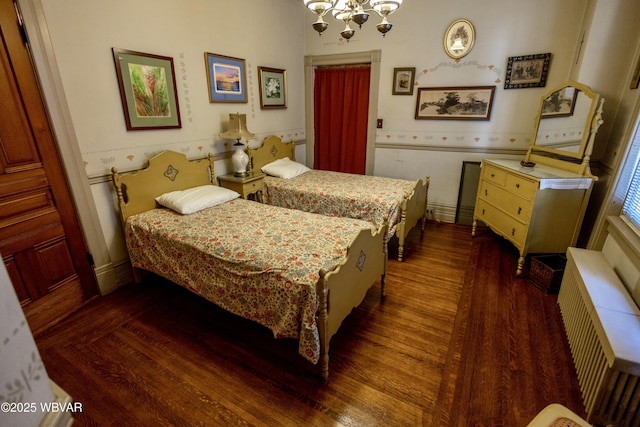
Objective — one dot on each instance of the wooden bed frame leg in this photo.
(137, 275)
(323, 324)
(324, 360)
(385, 251)
(401, 236)
(427, 181)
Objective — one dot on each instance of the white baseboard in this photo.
(59, 418)
(442, 212)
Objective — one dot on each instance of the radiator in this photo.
(604, 337)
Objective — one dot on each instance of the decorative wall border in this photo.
(99, 163)
(445, 65)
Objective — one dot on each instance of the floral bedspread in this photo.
(371, 198)
(258, 261)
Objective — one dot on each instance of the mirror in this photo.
(564, 120)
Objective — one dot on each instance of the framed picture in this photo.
(147, 89)
(454, 103)
(403, 79)
(226, 78)
(273, 88)
(459, 38)
(561, 103)
(527, 71)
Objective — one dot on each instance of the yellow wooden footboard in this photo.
(344, 288)
(414, 209)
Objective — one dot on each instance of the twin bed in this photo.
(297, 273)
(400, 203)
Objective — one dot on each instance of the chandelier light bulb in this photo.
(318, 7)
(385, 7)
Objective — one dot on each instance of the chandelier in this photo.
(352, 10)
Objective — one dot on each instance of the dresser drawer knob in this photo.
(519, 210)
(482, 211)
(517, 185)
(493, 175)
(486, 193)
(513, 231)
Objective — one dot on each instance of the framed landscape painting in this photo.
(454, 103)
(226, 78)
(147, 89)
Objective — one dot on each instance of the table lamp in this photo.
(238, 130)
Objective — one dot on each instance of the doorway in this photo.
(339, 101)
(311, 62)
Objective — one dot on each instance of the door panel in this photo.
(40, 237)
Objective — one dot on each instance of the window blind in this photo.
(631, 174)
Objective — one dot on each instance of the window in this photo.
(631, 174)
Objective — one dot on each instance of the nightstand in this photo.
(250, 187)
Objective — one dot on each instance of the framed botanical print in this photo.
(226, 78)
(459, 38)
(147, 89)
(273, 87)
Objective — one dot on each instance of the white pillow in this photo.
(285, 168)
(196, 198)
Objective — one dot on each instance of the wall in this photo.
(410, 148)
(609, 65)
(81, 35)
(76, 65)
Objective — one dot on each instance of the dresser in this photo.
(539, 209)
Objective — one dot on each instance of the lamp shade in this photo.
(237, 128)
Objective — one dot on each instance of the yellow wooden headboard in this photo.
(272, 148)
(167, 171)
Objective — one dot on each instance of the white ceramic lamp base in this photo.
(240, 160)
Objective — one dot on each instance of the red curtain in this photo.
(341, 108)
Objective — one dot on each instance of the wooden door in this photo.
(41, 241)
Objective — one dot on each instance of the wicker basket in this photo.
(546, 272)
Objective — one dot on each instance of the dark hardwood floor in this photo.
(458, 341)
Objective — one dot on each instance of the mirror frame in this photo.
(587, 125)
(567, 160)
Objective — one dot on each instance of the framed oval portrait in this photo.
(459, 38)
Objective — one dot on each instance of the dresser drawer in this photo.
(511, 203)
(493, 174)
(520, 186)
(502, 223)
